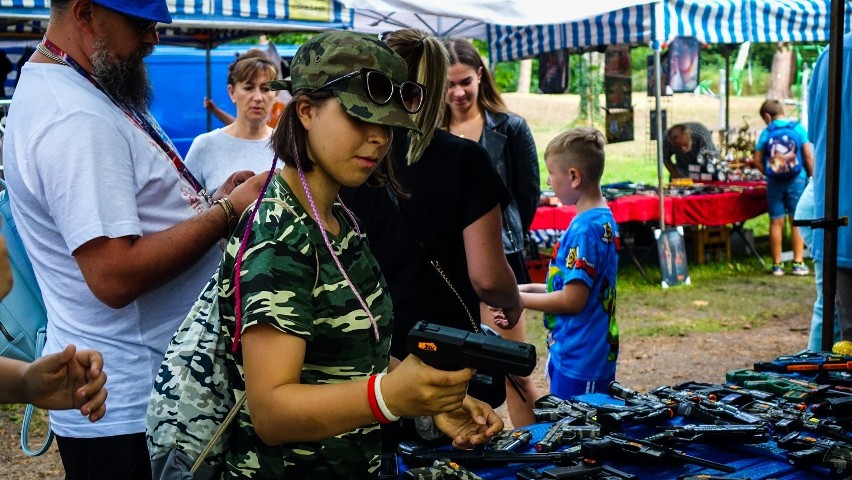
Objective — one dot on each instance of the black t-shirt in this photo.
(451, 186)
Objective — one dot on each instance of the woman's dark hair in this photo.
(249, 64)
(462, 51)
(289, 142)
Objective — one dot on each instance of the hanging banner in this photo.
(553, 72)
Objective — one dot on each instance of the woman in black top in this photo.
(476, 111)
(454, 208)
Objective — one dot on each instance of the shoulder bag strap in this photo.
(432, 260)
(218, 434)
(41, 338)
(437, 266)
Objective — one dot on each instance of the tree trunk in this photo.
(525, 76)
(782, 74)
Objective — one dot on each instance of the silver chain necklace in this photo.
(47, 53)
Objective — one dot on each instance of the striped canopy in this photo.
(201, 22)
(710, 21)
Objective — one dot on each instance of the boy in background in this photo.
(578, 299)
(785, 155)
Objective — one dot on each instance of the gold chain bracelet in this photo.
(230, 213)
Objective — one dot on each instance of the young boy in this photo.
(578, 299)
(785, 155)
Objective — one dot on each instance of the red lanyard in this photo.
(141, 119)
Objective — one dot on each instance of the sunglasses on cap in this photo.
(380, 89)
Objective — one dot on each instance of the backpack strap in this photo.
(25, 278)
(218, 434)
(41, 338)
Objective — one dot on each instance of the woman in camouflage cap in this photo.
(312, 343)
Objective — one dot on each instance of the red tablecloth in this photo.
(712, 209)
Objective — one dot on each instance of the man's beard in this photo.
(126, 81)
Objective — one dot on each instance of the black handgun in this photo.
(804, 451)
(448, 348)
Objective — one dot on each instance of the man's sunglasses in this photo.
(380, 88)
(140, 25)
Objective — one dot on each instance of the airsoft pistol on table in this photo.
(608, 447)
(804, 451)
(447, 348)
(510, 440)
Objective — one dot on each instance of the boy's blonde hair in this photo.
(772, 107)
(585, 149)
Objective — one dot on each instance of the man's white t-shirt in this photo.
(79, 169)
(214, 156)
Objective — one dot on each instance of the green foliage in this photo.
(589, 84)
(291, 38)
(506, 76)
(639, 63)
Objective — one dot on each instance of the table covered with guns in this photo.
(788, 418)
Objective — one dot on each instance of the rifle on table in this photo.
(417, 455)
(730, 394)
(618, 446)
(701, 407)
(708, 477)
(804, 451)
(785, 420)
(711, 434)
(810, 362)
(791, 389)
(585, 470)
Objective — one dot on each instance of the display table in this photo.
(740, 202)
(712, 209)
(756, 462)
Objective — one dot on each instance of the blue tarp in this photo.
(201, 23)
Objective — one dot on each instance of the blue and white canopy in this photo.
(202, 22)
(710, 21)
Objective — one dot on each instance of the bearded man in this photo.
(120, 238)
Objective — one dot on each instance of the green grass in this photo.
(737, 295)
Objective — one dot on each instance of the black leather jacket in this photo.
(510, 144)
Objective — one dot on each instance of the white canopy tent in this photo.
(471, 18)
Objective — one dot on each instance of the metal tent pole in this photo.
(832, 168)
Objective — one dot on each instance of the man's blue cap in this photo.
(154, 10)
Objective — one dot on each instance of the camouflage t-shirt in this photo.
(291, 282)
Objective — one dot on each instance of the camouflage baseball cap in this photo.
(331, 55)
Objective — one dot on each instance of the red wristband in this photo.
(374, 404)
